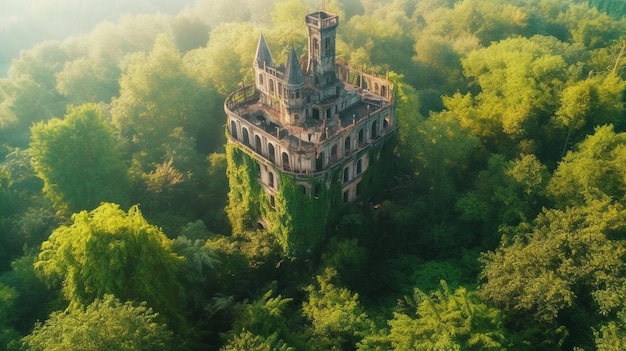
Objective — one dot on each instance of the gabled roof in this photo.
(293, 73)
(263, 55)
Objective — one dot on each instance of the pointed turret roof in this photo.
(263, 55)
(293, 73)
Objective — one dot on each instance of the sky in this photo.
(24, 23)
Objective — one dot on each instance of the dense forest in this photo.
(502, 224)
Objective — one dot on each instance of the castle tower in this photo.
(322, 35)
(303, 143)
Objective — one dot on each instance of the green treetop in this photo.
(108, 251)
(106, 324)
(78, 160)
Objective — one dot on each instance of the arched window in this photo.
(346, 146)
(271, 152)
(327, 46)
(346, 174)
(374, 130)
(233, 129)
(246, 136)
(257, 144)
(361, 137)
(286, 161)
(272, 201)
(333, 153)
(319, 163)
(316, 46)
(359, 167)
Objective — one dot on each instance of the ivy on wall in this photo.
(298, 215)
(243, 209)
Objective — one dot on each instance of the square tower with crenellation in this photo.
(302, 139)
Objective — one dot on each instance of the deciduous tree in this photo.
(447, 320)
(109, 251)
(339, 321)
(78, 160)
(105, 324)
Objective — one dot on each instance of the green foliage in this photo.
(377, 41)
(108, 251)
(447, 320)
(29, 299)
(561, 257)
(506, 193)
(78, 160)
(491, 97)
(338, 319)
(297, 217)
(105, 324)
(590, 27)
(226, 61)
(7, 300)
(248, 341)
(88, 79)
(158, 95)
(263, 322)
(243, 207)
(518, 78)
(444, 155)
(594, 169)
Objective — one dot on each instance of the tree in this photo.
(108, 251)
(263, 319)
(78, 160)
(563, 259)
(250, 342)
(585, 104)
(88, 79)
(590, 27)
(505, 194)
(447, 320)
(518, 78)
(105, 324)
(7, 332)
(594, 168)
(157, 95)
(339, 321)
(227, 59)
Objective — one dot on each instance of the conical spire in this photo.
(293, 73)
(263, 55)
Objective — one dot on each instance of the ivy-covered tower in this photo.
(305, 139)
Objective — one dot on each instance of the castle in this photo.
(315, 127)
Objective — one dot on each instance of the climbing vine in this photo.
(243, 207)
(301, 208)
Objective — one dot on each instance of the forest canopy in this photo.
(501, 223)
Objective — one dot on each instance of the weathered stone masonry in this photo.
(308, 120)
